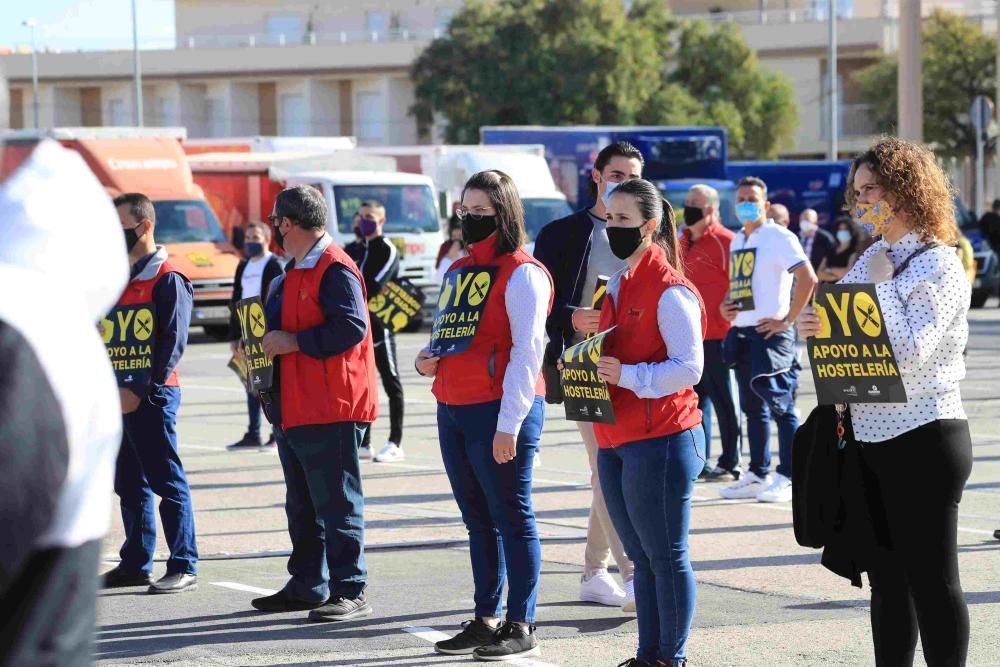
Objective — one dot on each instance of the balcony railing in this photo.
(854, 120)
(981, 9)
(250, 40)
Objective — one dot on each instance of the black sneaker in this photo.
(509, 642)
(119, 578)
(249, 441)
(633, 662)
(473, 635)
(340, 608)
(720, 474)
(281, 601)
(996, 534)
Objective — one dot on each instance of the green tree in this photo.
(959, 63)
(550, 62)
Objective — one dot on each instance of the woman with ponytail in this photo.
(650, 457)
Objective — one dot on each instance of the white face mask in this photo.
(609, 188)
(806, 226)
(843, 236)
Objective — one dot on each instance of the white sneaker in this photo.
(389, 453)
(602, 589)
(364, 453)
(748, 486)
(537, 462)
(629, 605)
(780, 491)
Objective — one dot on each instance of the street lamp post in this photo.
(832, 149)
(30, 25)
(136, 67)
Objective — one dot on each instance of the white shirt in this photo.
(924, 311)
(527, 303)
(678, 317)
(779, 253)
(253, 276)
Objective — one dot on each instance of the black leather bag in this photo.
(817, 470)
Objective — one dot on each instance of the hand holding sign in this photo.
(587, 320)
(729, 309)
(584, 374)
(276, 343)
(808, 323)
(609, 369)
(427, 363)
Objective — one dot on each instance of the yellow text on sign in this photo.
(742, 265)
(843, 306)
(474, 286)
(590, 349)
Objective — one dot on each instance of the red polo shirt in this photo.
(706, 264)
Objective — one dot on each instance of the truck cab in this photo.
(151, 161)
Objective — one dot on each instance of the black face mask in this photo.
(131, 238)
(475, 231)
(279, 238)
(624, 241)
(693, 215)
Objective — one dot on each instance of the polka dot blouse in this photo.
(925, 311)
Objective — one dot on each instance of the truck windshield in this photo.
(540, 212)
(186, 221)
(409, 209)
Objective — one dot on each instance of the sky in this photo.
(72, 25)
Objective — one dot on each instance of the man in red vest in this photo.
(148, 462)
(322, 402)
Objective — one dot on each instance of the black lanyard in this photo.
(916, 253)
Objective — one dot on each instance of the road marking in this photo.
(188, 385)
(433, 636)
(243, 587)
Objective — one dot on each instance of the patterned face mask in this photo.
(875, 217)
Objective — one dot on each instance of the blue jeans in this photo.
(324, 504)
(495, 501)
(148, 463)
(715, 393)
(763, 397)
(647, 486)
(253, 410)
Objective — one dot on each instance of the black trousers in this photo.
(913, 484)
(388, 370)
(48, 611)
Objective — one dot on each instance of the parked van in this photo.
(152, 161)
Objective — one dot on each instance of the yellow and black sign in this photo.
(851, 357)
(398, 303)
(460, 308)
(253, 327)
(600, 292)
(741, 266)
(585, 395)
(238, 367)
(129, 332)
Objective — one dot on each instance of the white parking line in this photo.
(431, 635)
(244, 588)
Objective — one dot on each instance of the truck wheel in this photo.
(219, 332)
(979, 299)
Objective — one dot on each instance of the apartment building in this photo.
(305, 67)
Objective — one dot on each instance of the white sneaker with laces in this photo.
(364, 453)
(602, 589)
(780, 491)
(629, 606)
(748, 486)
(389, 453)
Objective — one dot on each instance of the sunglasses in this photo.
(466, 214)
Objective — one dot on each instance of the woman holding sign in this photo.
(915, 457)
(486, 357)
(651, 456)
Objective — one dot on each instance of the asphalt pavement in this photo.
(762, 599)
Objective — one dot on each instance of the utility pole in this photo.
(910, 77)
(136, 67)
(30, 24)
(834, 101)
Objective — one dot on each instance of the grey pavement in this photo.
(763, 600)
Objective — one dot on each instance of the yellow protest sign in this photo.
(585, 396)
(253, 327)
(851, 357)
(741, 266)
(460, 308)
(397, 304)
(129, 333)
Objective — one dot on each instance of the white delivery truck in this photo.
(451, 166)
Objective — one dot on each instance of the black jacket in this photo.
(378, 261)
(272, 270)
(823, 246)
(563, 246)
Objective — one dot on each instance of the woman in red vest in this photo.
(651, 455)
(490, 413)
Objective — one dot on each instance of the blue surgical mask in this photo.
(843, 236)
(611, 187)
(254, 249)
(748, 211)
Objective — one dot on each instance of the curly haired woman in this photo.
(916, 456)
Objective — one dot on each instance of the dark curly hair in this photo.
(919, 186)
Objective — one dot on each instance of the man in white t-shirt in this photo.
(765, 260)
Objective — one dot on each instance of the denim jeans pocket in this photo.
(699, 451)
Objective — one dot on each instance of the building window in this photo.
(443, 17)
(370, 119)
(377, 24)
(285, 29)
(215, 109)
(118, 113)
(293, 116)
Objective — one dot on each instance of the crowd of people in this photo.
(684, 350)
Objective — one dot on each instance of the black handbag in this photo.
(817, 470)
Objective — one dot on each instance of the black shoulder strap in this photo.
(917, 253)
